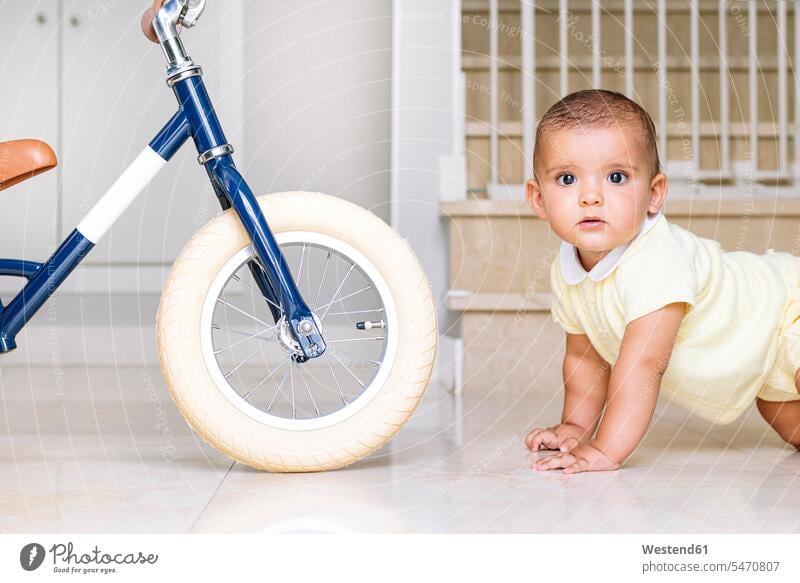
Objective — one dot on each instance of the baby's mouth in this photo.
(591, 221)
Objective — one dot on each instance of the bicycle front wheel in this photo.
(231, 369)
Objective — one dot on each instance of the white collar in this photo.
(573, 271)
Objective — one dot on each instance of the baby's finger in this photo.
(541, 460)
(531, 436)
(545, 437)
(552, 462)
(555, 461)
(580, 465)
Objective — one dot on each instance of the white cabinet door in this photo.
(115, 100)
(29, 107)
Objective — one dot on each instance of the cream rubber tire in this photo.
(195, 386)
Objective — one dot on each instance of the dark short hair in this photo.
(599, 108)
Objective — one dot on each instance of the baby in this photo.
(645, 304)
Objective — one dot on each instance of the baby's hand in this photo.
(563, 436)
(584, 458)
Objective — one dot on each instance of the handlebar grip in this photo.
(147, 20)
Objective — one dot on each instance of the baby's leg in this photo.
(784, 417)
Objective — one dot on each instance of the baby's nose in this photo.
(591, 196)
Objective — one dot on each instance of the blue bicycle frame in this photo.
(195, 119)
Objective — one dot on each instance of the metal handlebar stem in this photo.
(171, 15)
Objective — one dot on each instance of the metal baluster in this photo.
(494, 150)
(662, 93)
(695, 86)
(783, 117)
(596, 73)
(629, 49)
(563, 41)
(724, 91)
(528, 49)
(752, 14)
(796, 76)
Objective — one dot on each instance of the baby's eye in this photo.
(618, 178)
(568, 179)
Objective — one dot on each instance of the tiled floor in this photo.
(104, 450)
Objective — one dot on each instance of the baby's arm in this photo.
(632, 393)
(585, 389)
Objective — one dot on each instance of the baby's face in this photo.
(595, 172)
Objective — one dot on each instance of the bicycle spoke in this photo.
(338, 289)
(240, 332)
(279, 387)
(350, 295)
(308, 372)
(300, 271)
(308, 390)
(348, 370)
(355, 312)
(338, 386)
(266, 378)
(246, 360)
(235, 344)
(322, 279)
(258, 291)
(243, 312)
(308, 275)
(376, 362)
(355, 339)
(291, 380)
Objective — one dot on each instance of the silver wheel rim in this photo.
(287, 395)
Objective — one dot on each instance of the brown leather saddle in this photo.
(23, 159)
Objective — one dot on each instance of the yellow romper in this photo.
(740, 336)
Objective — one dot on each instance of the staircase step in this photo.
(675, 208)
(467, 301)
(511, 352)
(499, 247)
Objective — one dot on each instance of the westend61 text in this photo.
(671, 550)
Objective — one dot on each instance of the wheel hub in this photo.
(285, 338)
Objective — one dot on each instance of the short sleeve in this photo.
(561, 307)
(660, 273)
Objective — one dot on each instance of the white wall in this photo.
(318, 97)
(427, 139)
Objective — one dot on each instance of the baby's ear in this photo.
(533, 194)
(658, 191)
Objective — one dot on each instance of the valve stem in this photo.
(369, 325)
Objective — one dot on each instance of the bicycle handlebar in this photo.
(164, 18)
(147, 21)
